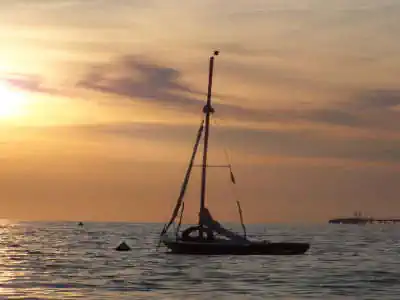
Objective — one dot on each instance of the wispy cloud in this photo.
(378, 99)
(307, 144)
(138, 78)
(28, 83)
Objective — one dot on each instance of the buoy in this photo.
(123, 247)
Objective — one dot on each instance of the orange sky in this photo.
(100, 103)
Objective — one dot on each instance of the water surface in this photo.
(64, 261)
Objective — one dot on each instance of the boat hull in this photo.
(252, 248)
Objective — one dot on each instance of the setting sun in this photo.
(12, 102)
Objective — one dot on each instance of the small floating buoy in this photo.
(123, 247)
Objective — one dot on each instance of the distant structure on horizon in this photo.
(360, 220)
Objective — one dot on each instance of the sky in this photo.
(100, 102)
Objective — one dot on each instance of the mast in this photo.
(207, 110)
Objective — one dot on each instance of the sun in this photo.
(12, 102)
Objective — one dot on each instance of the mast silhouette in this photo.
(207, 110)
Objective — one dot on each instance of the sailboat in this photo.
(209, 237)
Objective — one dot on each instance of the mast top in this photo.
(208, 109)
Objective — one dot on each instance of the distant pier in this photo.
(358, 219)
(364, 221)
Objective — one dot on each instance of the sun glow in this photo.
(12, 102)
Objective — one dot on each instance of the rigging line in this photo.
(227, 156)
(241, 218)
(233, 180)
(185, 181)
(172, 221)
(225, 148)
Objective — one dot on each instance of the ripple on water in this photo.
(58, 260)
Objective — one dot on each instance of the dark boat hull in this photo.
(253, 248)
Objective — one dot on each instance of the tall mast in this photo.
(207, 110)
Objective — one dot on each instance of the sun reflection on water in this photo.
(30, 262)
(10, 259)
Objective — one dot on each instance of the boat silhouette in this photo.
(209, 237)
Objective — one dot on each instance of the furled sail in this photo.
(207, 220)
(232, 176)
(185, 181)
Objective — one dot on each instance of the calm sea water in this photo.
(63, 261)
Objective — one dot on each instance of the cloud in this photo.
(289, 115)
(135, 77)
(375, 109)
(139, 78)
(369, 109)
(378, 99)
(311, 144)
(306, 144)
(26, 82)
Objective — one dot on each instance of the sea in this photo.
(61, 260)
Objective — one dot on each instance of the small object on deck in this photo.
(123, 247)
(80, 224)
